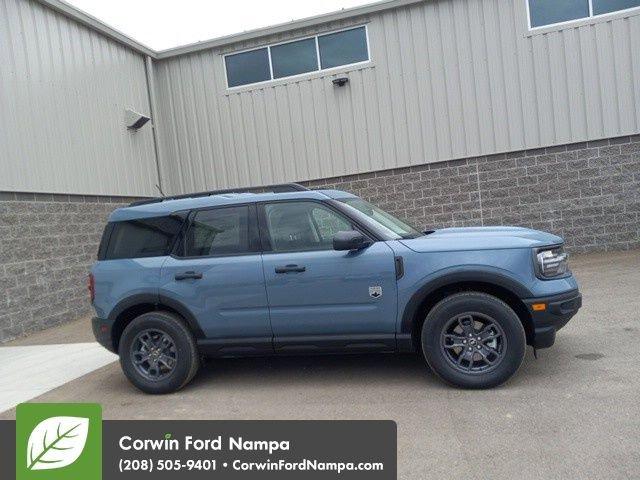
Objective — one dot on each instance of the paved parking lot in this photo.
(573, 413)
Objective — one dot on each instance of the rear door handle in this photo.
(188, 275)
(290, 268)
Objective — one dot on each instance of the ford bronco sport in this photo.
(287, 270)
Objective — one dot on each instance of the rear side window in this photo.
(220, 231)
(147, 237)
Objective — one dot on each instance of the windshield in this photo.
(388, 221)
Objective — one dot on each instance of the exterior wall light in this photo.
(134, 120)
(340, 81)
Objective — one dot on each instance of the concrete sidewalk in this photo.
(573, 413)
(29, 371)
(34, 365)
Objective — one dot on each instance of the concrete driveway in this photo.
(573, 413)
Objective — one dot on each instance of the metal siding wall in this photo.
(63, 92)
(448, 79)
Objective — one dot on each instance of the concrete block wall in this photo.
(47, 244)
(589, 193)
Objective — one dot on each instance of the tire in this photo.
(147, 330)
(447, 347)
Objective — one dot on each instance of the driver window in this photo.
(300, 226)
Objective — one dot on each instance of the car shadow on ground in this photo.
(357, 369)
(309, 368)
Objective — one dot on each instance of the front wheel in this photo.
(158, 354)
(473, 340)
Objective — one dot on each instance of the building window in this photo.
(294, 58)
(283, 60)
(607, 6)
(248, 67)
(343, 48)
(550, 12)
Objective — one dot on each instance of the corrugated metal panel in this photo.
(448, 79)
(63, 92)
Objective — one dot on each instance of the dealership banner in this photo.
(71, 441)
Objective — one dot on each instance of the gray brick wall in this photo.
(47, 244)
(589, 193)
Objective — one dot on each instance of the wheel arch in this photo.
(505, 288)
(131, 307)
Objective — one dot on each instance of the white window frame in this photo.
(319, 67)
(581, 19)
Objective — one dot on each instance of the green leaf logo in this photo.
(56, 442)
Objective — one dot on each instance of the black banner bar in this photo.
(238, 450)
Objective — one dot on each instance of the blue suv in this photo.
(287, 270)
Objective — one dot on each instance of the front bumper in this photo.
(558, 310)
(102, 332)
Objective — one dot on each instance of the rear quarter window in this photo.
(147, 237)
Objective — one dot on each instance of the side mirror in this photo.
(350, 240)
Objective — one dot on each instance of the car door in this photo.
(216, 273)
(319, 298)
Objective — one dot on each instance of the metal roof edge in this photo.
(92, 22)
(283, 27)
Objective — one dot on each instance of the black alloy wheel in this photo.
(153, 354)
(473, 343)
(473, 340)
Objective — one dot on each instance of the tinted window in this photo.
(343, 48)
(296, 226)
(247, 67)
(220, 231)
(608, 6)
(294, 58)
(104, 241)
(546, 12)
(149, 237)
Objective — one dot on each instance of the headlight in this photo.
(551, 262)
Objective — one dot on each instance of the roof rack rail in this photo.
(278, 188)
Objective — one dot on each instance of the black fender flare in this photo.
(158, 301)
(487, 275)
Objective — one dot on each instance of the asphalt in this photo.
(572, 413)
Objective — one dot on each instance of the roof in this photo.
(168, 207)
(98, 25)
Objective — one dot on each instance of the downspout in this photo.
(151, 93)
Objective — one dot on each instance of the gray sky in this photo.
(164, 24)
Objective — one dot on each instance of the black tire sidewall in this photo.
(481, 303)
(183, 341)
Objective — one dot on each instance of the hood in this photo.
(481, 238)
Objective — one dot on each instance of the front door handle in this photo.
(188, 275)
(290, 268)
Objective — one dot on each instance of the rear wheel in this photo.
(158, 354)
(473, 340)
